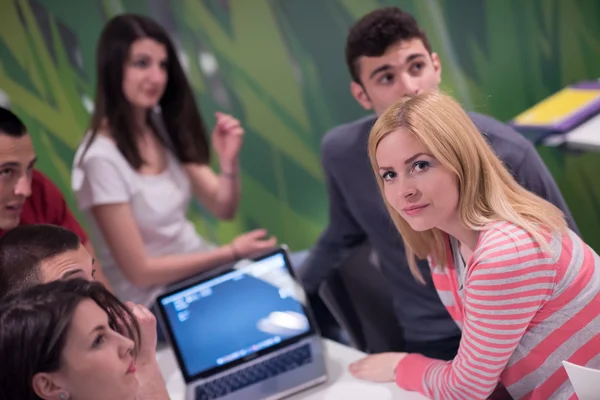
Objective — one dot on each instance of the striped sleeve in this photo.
(508, 281)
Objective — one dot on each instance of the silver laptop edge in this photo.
(318, 358)
(283, 385)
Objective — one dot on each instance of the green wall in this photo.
(278, 65)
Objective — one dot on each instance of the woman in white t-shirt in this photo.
(144, 156)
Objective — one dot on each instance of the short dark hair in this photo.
(374, 33)
(24, 248)
(35, 323)
(179, 119)
(10, 124)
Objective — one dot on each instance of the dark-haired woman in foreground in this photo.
(67, 340)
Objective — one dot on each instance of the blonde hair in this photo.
(487, 191)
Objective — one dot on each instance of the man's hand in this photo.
(377, 367)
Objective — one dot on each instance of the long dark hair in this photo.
(34, 325)
(183, 127)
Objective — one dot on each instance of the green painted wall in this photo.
(278, 65)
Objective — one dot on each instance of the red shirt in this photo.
(46, 205)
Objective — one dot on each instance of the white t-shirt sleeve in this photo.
(101, 181)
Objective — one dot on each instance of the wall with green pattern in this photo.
(278, 66)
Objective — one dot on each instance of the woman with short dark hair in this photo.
(69, 339)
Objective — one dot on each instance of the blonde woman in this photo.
(523, 288)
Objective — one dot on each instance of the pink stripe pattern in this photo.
(522, 312)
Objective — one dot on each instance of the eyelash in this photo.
(98, 341)
(423, 164)
(6, 172)
(386, 79)
(419, 67)
(10, 172)
(386, 175)
(146, 64)
(414, 68)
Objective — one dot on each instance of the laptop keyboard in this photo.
(270, 368)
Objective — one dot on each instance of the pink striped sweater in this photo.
(521, 312)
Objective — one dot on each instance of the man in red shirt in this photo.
(26, 195)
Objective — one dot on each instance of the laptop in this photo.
(244, 333)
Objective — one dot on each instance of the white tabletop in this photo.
(585, 137)
(340, 385)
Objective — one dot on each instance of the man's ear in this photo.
(47, 387)
(437, 66)
(360, 94)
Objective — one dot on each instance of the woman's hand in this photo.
(377, 367)
(252, 243)
(227, 141)
(147, 323)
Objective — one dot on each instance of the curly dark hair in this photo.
(34, 330)
(374, 33)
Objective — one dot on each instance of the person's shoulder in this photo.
(502, 227)
(510, 146)
(47, 205)
(97, 151)
(346, 137)
(98, 145)
(42, 186)
(97, 157)
(44, 201)
(508, 251)
(497, 131)
(506, 237)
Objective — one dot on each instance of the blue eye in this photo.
(420, 166)
(388, 175)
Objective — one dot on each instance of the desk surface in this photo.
(585, 137)
(340, 385)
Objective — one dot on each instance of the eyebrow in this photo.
(146, 55)
(72, 272)
(10, 164)
(413, 57)
(140, 54)
(407, 161)
(387, 67)
(98, 328)
(411, 159)
(377, 70)
(15, 164)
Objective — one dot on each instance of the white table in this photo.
(340, 385)
(585, 137)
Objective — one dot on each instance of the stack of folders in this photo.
(559, 113)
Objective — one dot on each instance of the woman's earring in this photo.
(63, 396)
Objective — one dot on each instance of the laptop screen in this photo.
(235, 316)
